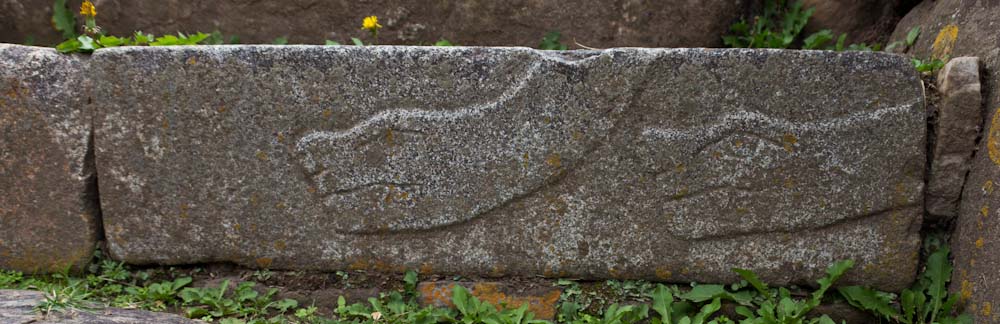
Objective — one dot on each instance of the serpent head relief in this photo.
(419, 168)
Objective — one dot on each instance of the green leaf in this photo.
(280, 41)
(911, 36)
(443, 42)
(69, 46)
(142, 39)
(662, 302)
(754, 281)
(165, 40)
(87, 44)
(111, 41)
(707, 310)
(818, 39)
(63, 20)
(938, 271)
(181, 282)
(330, 42)
(460, 297)
(834, 272)
(745, 312)
(702, 293)
(357, 41)
(410, 281)
(870, 300)
(551, 42)
(195, 39)
(840, 42)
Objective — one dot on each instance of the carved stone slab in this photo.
(663, 164)
(49, 218)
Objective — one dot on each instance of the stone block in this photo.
(659, 164)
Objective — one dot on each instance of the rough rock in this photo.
(594, 23)
(868, 21)
(959, 119)
(541, 300)
(17, 307)
(956, 28)
(661, 164)
(49, 217)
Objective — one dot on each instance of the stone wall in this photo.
(658, 164)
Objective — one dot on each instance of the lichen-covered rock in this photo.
(955, 28)
(959, 119)
(49, 218)
(663, 164)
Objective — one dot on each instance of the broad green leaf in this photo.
(86, 43)
(702, 293)
(330, 42)
(410, 281)
(357, 41)
(662, 302)
(69, 46)
(460, 297)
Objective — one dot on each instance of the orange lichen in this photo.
(263, 262)
(280, 245)
(993, 138)
(358, 264)
(497, 270)
(261, 155)
(426, 269)
(987, 309)
(985, 211)
(988, 187)
(966, 291)
(327, 113)
(681, 193)
(789, 141)
(944, 42)
(979, 243)
(543, 306)
(663, 273)
(553, 160)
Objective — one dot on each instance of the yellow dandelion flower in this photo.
(87, 9)
(371, 23)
